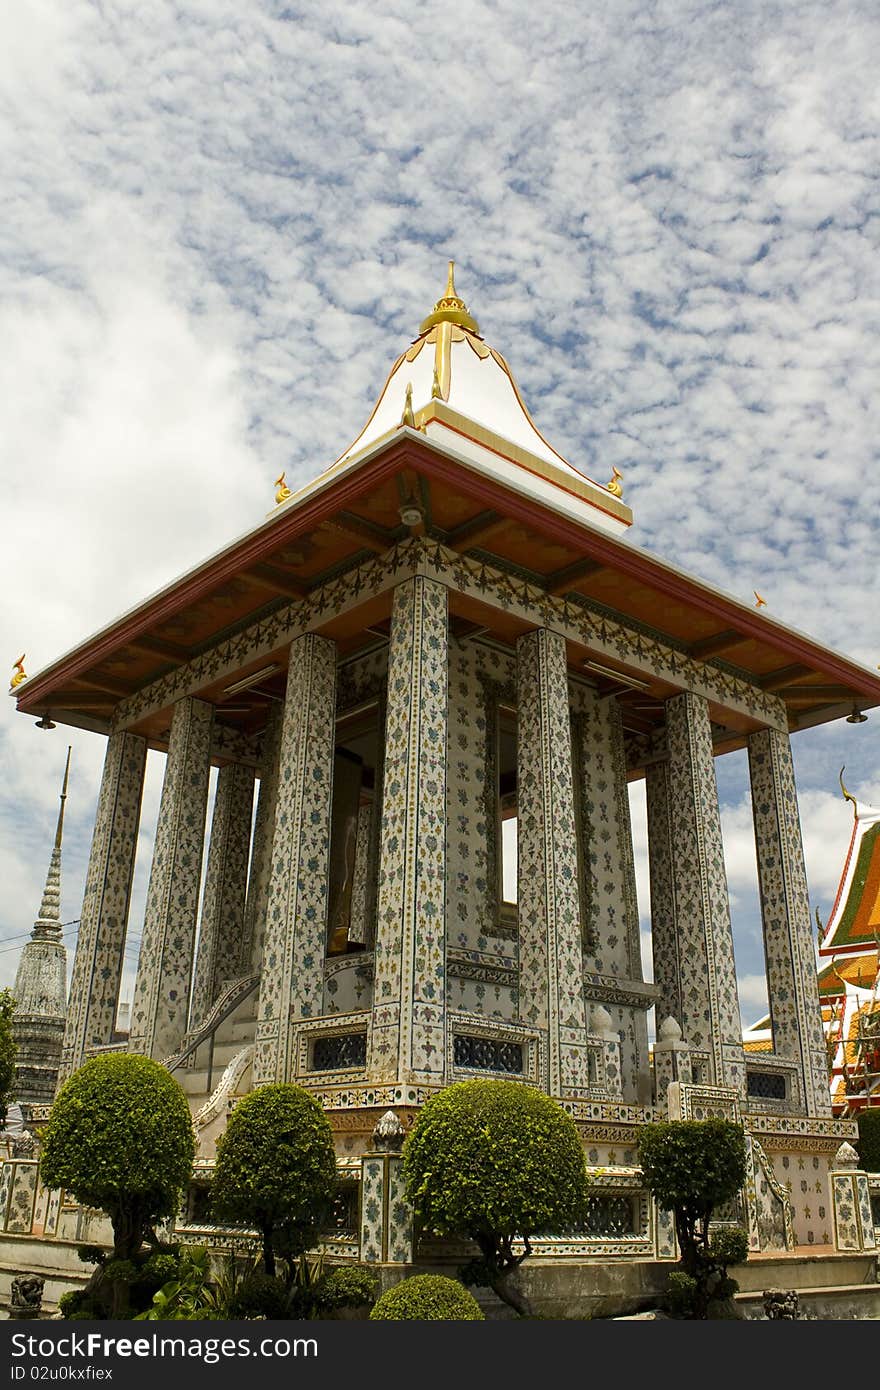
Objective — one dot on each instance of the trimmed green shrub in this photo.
(120, 1137)
(276, 1170)
(427, 1298)
(691, 1167)
(345, 1287)
(495, 1161)
(869, 1139)
(8, 1052)
(74, 1302)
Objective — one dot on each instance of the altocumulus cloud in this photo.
(222, 222)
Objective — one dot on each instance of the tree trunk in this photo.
(514, 1298)
(268, 1252)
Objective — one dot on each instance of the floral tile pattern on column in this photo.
(97, 966)
(161, 995)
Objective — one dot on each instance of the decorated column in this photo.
(664, 933)
(551, 968)
(223, 903)
(160, 1006)
(408, 1033)
(785, 909)
(292, 984)
(261, 859)
(97, 965)
(709, 1008)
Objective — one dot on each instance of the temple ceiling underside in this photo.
(636, 628)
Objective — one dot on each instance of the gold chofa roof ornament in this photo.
(449, 308)
(20, 674)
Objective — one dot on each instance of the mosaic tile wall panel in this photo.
(372, 1210)
(162, 989)
(223, 901)
(710, 1008)
(804, 1177)
(97, 965)
(551, 956)
(846, 1212)
(348, 984)
(292, 985)
(22, 1196)
(605, 634)
(785, 907)
(408, 1033)
(664, 933)
(400, 1215)
(866, 1220)
(261, 857)
(611, 926)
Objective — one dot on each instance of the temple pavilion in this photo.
(442, 651)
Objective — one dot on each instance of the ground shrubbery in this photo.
(428, 1298)
(496, 1162)
(691, 1167)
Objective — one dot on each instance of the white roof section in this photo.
(449, 368)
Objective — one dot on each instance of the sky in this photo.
(221, 223)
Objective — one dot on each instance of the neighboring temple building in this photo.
(41, 987)
(849, 983)
(447, 630)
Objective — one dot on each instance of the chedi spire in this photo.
(41, 986)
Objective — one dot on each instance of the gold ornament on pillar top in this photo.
(408, 417)
(282, 491)
(615, 486)
(20, 673)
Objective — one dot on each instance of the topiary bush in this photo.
(869, 1139)
(276, 1170)
(427, 1298)
(345, 1287)
(691, 1167)
(495, 1161)
(120, 1138)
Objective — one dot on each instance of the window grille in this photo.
(765, 1085)
(488, 1054)
(337, 1053)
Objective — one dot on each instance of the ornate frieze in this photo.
(292, 984)
(785, 909)
(408, 1035)
(97, 965)
(550, 952)
(605, 635)
(162, 989)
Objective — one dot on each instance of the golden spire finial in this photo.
(282, 491)
(20, 672)
(450, 308)
(615, 487)
(760, 601)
